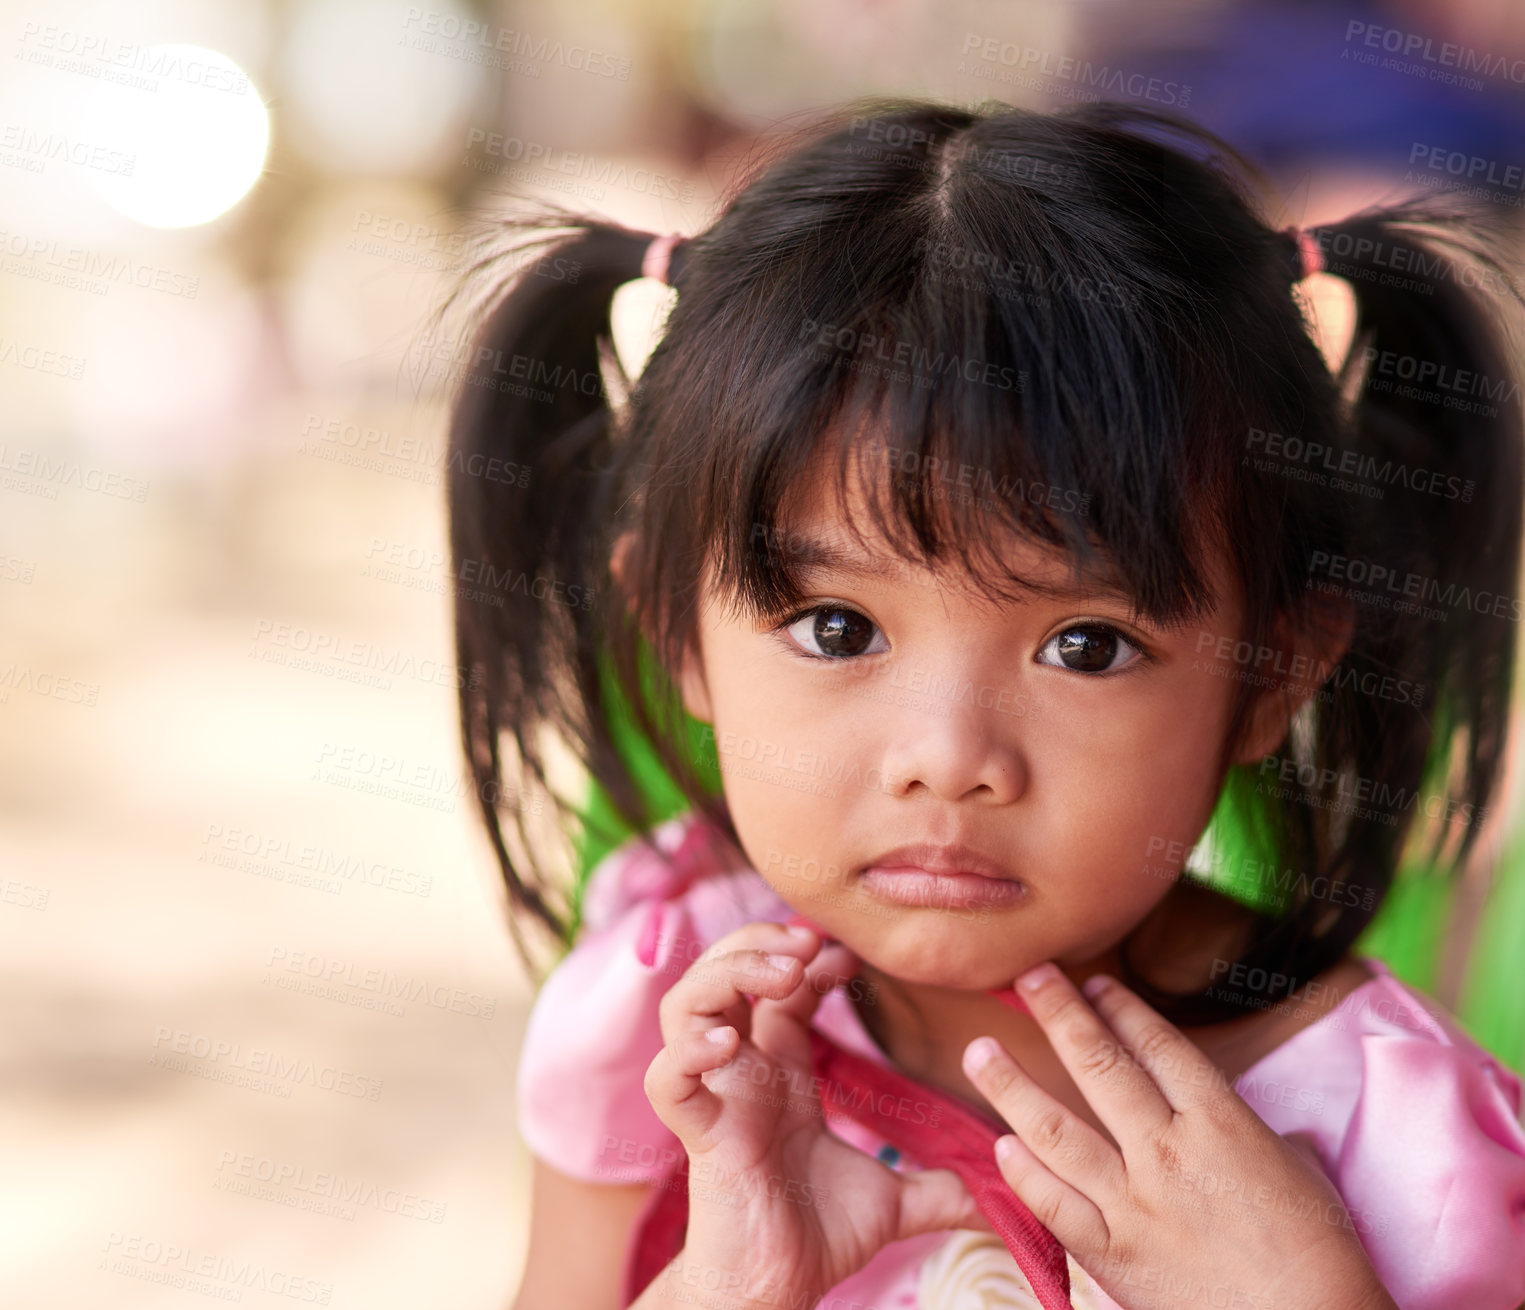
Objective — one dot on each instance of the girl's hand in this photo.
(1204, 1204)
(774, 1196)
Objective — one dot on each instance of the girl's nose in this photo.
(967, 753)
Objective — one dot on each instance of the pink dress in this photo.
(1416, 1125)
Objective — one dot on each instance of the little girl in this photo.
(989, 500)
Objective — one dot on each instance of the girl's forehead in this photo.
(826, 527)
(827, 532)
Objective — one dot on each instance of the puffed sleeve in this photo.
(1432, 1171)
(592, 1033)
(594, 1028)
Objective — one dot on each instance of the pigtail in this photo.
(1419, 493)
(1436, 423)
(529, 487)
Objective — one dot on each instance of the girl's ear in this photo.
(690, 678)
(1308, 657)
(695, 692)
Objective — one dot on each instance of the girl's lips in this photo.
(909, 885)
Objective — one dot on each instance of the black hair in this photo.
(1086, 300)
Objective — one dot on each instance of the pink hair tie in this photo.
(658, 253)
(1308, 247)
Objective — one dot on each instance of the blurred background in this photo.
(261, 1007)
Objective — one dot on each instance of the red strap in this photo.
(941, 1133)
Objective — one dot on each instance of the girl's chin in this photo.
(928, 948)
(910, 964)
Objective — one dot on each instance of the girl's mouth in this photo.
(910, 885)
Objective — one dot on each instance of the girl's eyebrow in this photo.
(813, 557)
(810, 557)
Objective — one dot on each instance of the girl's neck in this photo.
(923, 1029)
(915, 1023)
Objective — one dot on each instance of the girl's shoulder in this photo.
(648, 912)
(1419, 1129)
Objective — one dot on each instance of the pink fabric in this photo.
(1417, 1126)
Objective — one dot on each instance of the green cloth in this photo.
(602, 830)
(1407, 934)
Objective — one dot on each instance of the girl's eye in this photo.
(1089, 648)
(839, 632)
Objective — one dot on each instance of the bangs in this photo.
(998, 378)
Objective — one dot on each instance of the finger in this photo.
(675, 1087)
(933, 1200)
(1068, 1214)
(714, 989)
(1104, 1064)
(1175, 1064)
(782, 1027)
(1068, 1146)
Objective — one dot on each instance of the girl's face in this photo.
(1074, 745)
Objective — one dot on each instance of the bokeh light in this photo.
(194, 146)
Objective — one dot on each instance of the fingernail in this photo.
(1039, 974)
(1005, 1148)
(781, 962)
(1095, 985)
(718, 1036)
(979, 1053)
(799, 930)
